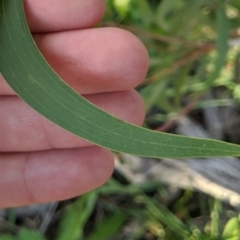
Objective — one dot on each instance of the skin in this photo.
(39, 162)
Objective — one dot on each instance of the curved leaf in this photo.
(27, 72)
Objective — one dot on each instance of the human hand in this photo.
(40, 162)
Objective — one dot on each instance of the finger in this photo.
(22, 129)
(60, 15)
(94, 60)
(27, 178)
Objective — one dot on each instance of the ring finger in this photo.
(22, 129)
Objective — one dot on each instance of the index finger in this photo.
(61, 15)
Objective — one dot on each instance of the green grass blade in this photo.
(222, 25)
(27, 72)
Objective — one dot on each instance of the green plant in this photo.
(42, 89)
(174, 55)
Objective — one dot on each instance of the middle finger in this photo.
(93, 60)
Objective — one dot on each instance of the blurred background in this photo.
(192, 88)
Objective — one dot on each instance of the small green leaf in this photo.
(231, 230)
(76, 216)
(26, 234)
(7, 237)
(145, 12)
(109, 227)
(122, 6)
(27, 72)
